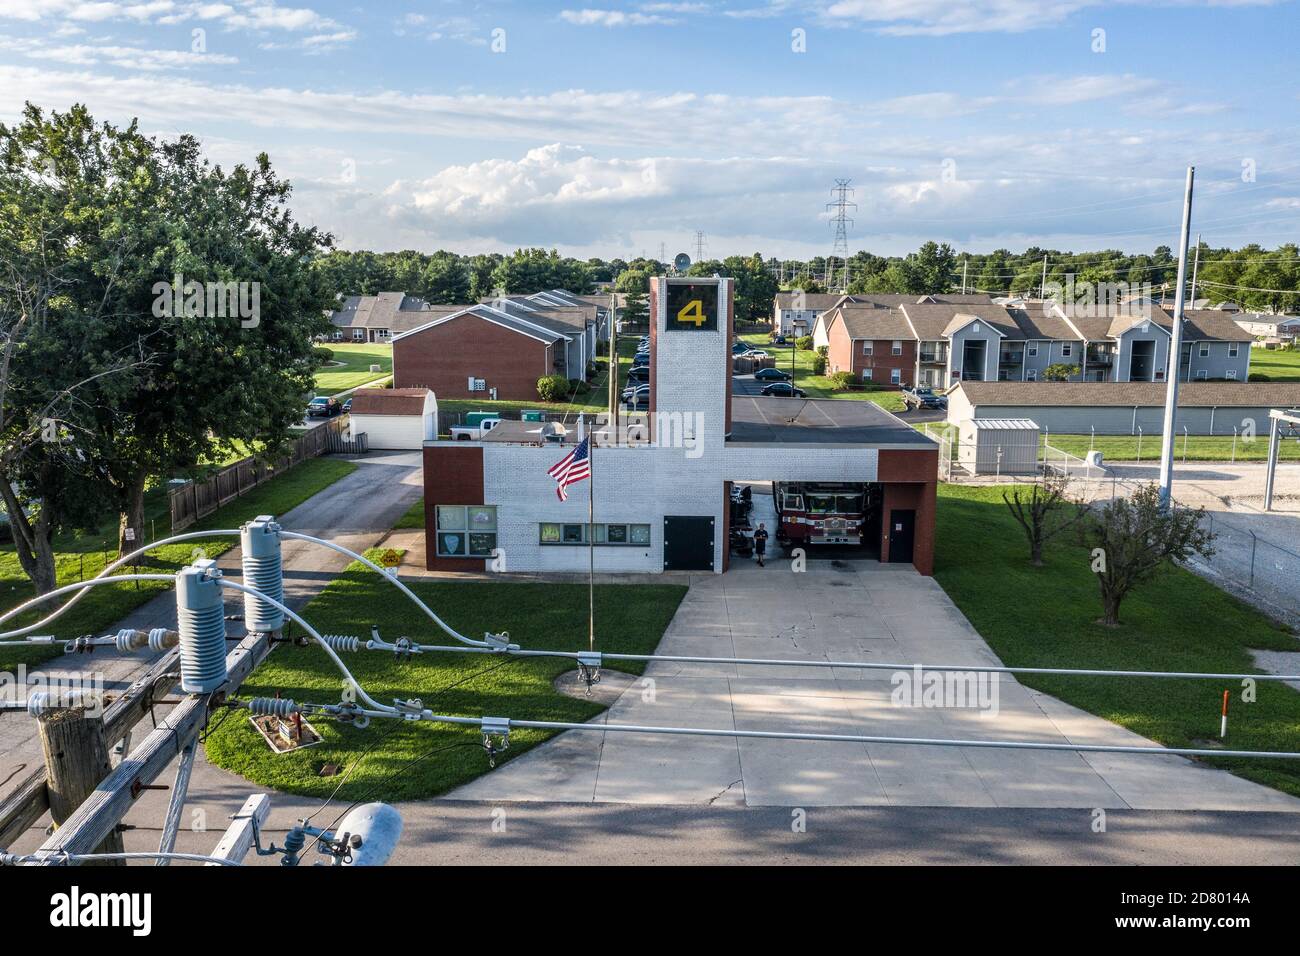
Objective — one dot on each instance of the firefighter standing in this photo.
(760, 543)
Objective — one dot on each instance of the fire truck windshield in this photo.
(834, 504)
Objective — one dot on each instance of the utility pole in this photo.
(964, 264)
(614, 393)
(1175, 354)
(1042, 289)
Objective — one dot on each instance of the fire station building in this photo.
(661, 485)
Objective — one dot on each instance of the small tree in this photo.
(840, 381)
(1132, 538)
(819, 364)
(804, 343)
(1060, 372)
(1043, 512)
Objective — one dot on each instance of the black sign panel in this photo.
(692, 307)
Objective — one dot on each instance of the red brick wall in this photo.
(839, 354)
(444, 357)
(452, 476)
(910, 480)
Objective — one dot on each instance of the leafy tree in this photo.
(1043, 512)
(1059, 372)
(140, 215)
(445, 279)
(1131, 539)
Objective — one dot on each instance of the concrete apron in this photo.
(856, 611)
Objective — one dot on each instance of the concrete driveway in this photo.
(854, 611)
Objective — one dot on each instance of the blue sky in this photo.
(613, 128)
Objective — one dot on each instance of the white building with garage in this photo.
(394, 417)
(660, 493)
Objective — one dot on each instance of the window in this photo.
(477, 384)
(338, 335)
(867, 373)
(895, 376)
(1032, 348)
(866, 348)
(617, 535)
(1067, 349)
(1031, 375)
(1205, 349)
(896, 348)
(1202, 373)
(467, 531)
(1232, 349)
(383, 335)
(358, 335)
(1230, 374)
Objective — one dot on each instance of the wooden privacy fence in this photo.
(197, 499)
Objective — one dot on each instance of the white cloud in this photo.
(126, 57)
(614, 18)
(258, 16)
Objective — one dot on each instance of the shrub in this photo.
(819, 365)
(804, 342)
(323, 355)
(841, 380)
(552, 388)
(1257, 377)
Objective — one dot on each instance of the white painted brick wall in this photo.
(642, 485)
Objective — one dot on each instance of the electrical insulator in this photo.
(259, 542)
(202, 626)
(272, 707)
(43, 701)
(128, 639)
(160, 639)
(342, 642)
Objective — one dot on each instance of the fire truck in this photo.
(826, 513)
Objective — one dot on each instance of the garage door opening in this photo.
(826, 519)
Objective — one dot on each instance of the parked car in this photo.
(347, 406)
(755, 354)
(638, 402)
(772, 375)
(322, 406)
(473, 432)
(783, 390)
(633, 389)
(639, 374)
(923, 396)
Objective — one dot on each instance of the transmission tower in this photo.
(699, 245)
(840, 207)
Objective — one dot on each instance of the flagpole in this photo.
(591, 540)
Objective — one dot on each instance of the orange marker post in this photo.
(1223, 724)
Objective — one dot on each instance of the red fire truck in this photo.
(826, 512)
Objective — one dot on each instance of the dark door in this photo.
(902, 528)
(688, 543)
(1142, 361)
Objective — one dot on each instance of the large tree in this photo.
(152, 230)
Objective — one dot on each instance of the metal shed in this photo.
(998, 446)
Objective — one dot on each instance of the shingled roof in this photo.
(1128, 394)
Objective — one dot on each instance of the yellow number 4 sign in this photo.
(693, 312)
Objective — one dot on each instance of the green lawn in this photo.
(819, 386)
(84, 556)
(1275, 364)
(1045, 617)
(355, 370)
(414, 517)
(1193, 447)
(629, 618)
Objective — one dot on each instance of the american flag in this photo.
(572, 468)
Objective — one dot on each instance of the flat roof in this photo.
(761, 419)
